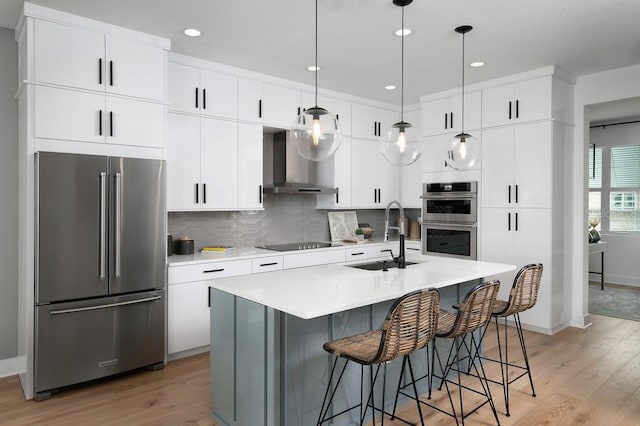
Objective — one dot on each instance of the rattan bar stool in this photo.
(410, 325)
(472, 314)
(523, 296)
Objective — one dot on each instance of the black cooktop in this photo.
(295, 246)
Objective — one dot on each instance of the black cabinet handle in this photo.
(197, 97)
(509, 222)
(379, 131)
(213, 270)
(100, 123)
(451, 119)
(414, 249)
(516, 221)
(360, 253)
(260, 194)
(517, 108)
(516, 193)
(197, 193)
(269, 264)
(298, 110)
(509, 193)
(204, 193)
(110, 73)
(209, 297)
(337, 195)
(375, 195)
(375, 128)
(204, 98)
(338, 117)
(446, 121)
(509, 110)
(99, 70)
(110, 123)
(379, 196)
(260, 108)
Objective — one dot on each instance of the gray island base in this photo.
(267, 331)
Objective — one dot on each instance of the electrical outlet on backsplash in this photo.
(285, 219)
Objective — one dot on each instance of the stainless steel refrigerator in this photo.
(100, 267)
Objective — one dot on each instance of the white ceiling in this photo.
(358, 52)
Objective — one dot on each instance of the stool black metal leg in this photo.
(502, 375)
(524, 351)
(482, 375)
(415, 390)
(395, 403)
(325, 407)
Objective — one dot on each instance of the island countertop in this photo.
(315, 291)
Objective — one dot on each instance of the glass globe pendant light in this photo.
(401, 144)
(463, 151)
(316, 133)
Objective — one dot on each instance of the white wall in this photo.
(621, 83)
(8, 197)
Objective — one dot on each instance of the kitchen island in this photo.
(267, 331)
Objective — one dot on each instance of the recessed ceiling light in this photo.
(390, 87)
(313, 68)
(192, 32)
(476, 64)
(403, 32)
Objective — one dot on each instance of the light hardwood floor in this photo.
(582, 377)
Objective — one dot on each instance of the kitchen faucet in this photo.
(400, 260)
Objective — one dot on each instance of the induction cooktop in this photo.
(295, 246)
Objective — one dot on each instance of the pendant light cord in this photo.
(463, 82)
(402, 70)
(316, 54)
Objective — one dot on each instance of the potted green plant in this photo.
(359, 233)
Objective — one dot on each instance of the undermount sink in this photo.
(378, 265)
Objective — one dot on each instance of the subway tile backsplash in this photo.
(285, 219)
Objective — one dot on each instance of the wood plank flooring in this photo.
(582, 377)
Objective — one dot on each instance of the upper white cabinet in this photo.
(280, 105)
(335, 172)
(202, 163)
(523, 101)
(517, 166)
(444, 115)
(249, 166)
(374, 181)
(90, 59)
(249, 100)
(370, 122)
(411, 175)
(202, 91)
(343, 114)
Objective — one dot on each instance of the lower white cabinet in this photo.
(188, 301)
(312, 258)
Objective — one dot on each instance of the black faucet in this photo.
(400, 260)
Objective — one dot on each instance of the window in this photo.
(614, 187)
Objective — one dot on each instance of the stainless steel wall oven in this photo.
(449, 219)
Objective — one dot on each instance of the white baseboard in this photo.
(8, 367)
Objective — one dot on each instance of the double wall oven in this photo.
(450, 219)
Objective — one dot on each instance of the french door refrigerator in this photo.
(100, 267)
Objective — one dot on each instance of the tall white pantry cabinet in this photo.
(84, 87)
(526, 122)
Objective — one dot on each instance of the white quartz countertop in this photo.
(315, 291)
(253, 252)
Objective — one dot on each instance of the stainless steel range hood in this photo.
(292, 174)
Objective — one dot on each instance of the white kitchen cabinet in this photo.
(188, 316)
(249, 100)
(523, 101)
(343, 114)
(250, 166)
(335, 172)
(183, 162)
(89, 117)
(517, 166)
(411, 176)
(369, 122)
(444, 115)
(521, 236)
(218, 164)
(280, 105)
(312, 258)
(362, 253)
(89, 59)
(374, 181)
(266, 264)
(201, 91)
(188, 302)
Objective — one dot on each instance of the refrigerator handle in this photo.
(118, 216)
(110, 305)
(102, 267)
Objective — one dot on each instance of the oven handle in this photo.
(449, 195)
(450, 225)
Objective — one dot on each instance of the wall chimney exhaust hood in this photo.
(292, 174)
